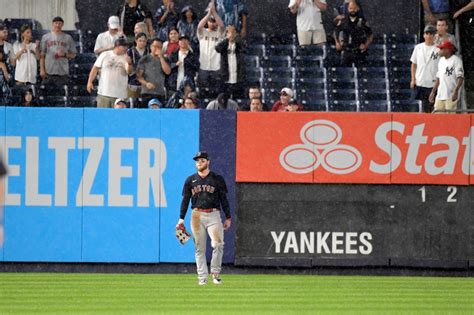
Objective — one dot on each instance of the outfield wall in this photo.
(309, 189)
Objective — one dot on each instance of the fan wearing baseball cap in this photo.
(449, 78)
(286, 96)
(105, 41)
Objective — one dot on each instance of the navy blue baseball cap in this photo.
(201, 155)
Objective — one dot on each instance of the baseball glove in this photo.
(181, 234)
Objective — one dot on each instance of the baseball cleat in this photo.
(216, 279)
(202, 281)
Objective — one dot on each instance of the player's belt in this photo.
(205, 210)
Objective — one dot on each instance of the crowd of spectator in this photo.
(174, 59)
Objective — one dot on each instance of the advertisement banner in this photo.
(354, 225)
(377, 148)
(96, 185)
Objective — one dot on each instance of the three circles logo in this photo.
(320, 147)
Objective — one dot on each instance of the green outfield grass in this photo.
(23, 293)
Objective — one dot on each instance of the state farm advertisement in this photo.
(374, 148)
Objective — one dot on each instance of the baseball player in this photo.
(207, 191)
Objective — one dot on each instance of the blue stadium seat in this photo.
(398, 38)
(374, 106)
(373, 94)
(399, 77)
(80, 68)
(310, 84)
(81, 101)
(314, 105)
(279, 72)
(341, 78)
(253, 75)
(399, 61)
(342, 94)
(275, 61)
(75, 34)
(18, 23)
(256, 50)
(400, 94)
(308, 61)
(372, 72)
(374, 60)
(342, 106)
(379, 39)
(252, 61)
(79, 79)
(77, 90)
(88, 41)
(280, 50)
(274, 85)
(372, 83)
(85, 58)
(257, 39)
(311, 50)
(52, 90)
(283, 39)
(52, 101)
(406, 106)
(310, 73)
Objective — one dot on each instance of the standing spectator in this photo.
(466, 8)
(424, 65)
(343, 11)
(6, 73)
(27, 55)
(187, 25)
(232, 68)
(5, 46)
(353, 37)
(166, 16)
(442, 33)
(151, 72)
(209, 58)
(140, 27)
(233, 12)
(28, 98)
(286, 95)
(105, 41)
(449, 79)
(172, 44)
(435, 10)
(135, 53)
(309, 23)
(223, 102)
(114, 67)
(256, 105)
(184, 63)
(57, 48)
(186, 87)
(132, 12)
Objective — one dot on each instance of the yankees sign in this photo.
(356, 148)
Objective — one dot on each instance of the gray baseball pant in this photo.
(203, 224)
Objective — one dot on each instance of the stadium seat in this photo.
(85, 58)
(256, 39)
(252, 61)
(373, 94)
(398, 38)
(253, 75)
(78, 68)
(18, 23)
(400, 94)
(38, 33)
(256, 50)
(341, 78)
(379, 39)
(275, 61)
(310, 84)
(406, 106)
(311, 50)
(372, 72)
(308, 61)
(280, 50)
(77, 90)
(52, 101)
(79, 79)
(88, 41)
(342, 106)
(314, 105)
(75, 34)
(310, 73)
(283, 39)
(374, 60)
(81, 101)
(274, 85)
(372, 83)
(373, 106)
(279, 72)
(342, 94)
(52, 90)
(399, 61)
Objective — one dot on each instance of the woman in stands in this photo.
(187, 24)
(28, 98)
(6, 72)
(27, 54)
(138, 50)
(172, 44)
